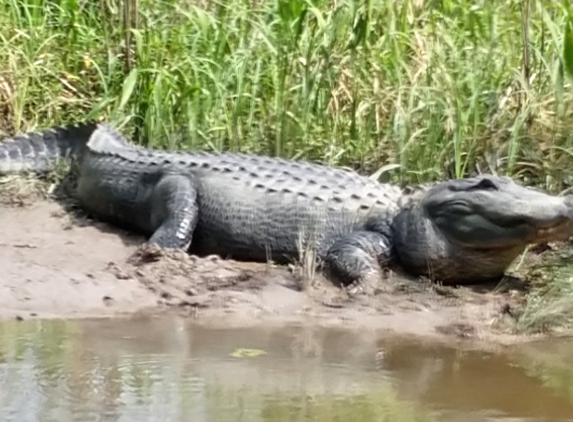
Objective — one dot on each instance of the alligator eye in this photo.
(486, 184)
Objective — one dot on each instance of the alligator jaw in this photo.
(557, 233)
(562, 227)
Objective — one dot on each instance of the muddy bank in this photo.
(56, 265)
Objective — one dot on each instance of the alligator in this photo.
(251, 207)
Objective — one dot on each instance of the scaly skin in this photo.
(252, 208)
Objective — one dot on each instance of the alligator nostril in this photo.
(487, 184)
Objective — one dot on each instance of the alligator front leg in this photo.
(174, 212)
(356, 258)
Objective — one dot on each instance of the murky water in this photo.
(170, 370)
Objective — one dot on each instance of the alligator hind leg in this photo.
(355, 258)
(174, 212)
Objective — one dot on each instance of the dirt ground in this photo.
(53, 264)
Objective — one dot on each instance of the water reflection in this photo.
(166, 369)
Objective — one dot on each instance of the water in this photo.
(167, 369)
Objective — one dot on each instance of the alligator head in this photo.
(470, 230)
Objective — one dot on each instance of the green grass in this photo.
(420, 89)
(548, 305)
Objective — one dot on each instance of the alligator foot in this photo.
(174, 212)
(354, 261)
(369, 285)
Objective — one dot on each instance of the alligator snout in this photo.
(565, 210)
(560, 226)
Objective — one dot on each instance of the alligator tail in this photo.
(37, 151)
